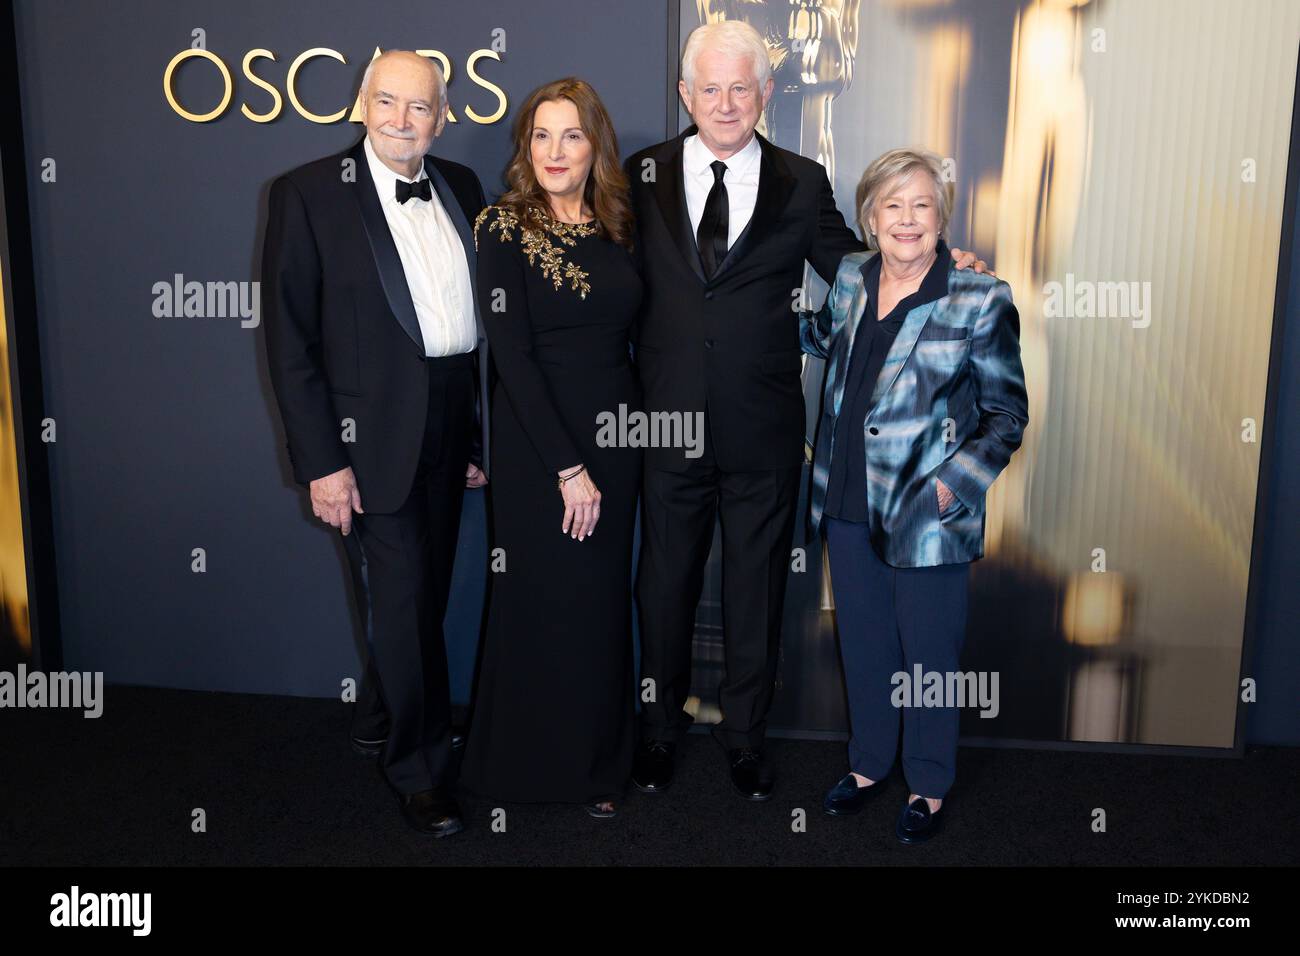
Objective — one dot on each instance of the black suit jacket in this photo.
(341, 330)
(731, 341)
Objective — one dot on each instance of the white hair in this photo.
(439, 84)
(733, 38)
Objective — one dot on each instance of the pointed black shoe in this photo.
(916, 823)
(652, 770)
(847, 798)
(749, 774)
(432, 812)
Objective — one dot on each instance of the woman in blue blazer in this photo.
(924, 404)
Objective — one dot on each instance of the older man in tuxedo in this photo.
(726, 221)
(378, 362)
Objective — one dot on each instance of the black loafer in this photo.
(749, 774)
(652, 770)
(595, 810)
(916, 823)
(847, 797)
(432, 812)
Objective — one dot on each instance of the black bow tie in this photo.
(420, 190)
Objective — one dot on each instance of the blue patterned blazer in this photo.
(950, 403)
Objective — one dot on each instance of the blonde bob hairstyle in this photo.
(893, 169)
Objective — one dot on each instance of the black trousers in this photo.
(757, 512)
(401, 566)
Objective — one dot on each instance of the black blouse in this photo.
(846, 489)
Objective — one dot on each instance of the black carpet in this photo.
(280, 785)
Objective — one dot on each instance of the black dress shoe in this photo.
(652, 770)
(916, 823)
(749, 774)
(601, 814)
(847, 797)
(432, 812)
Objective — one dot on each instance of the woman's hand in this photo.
(581, 504)
(945, 495)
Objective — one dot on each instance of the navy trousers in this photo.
(889, 620)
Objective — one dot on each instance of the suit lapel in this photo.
(670, 194)
(857, 307)
(387, 261)
(774, 187)
(900, 351)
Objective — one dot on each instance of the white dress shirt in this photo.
(433, 258)
(741, 180)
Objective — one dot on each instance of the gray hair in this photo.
(733, 38)
(439, 84)
(897, 166)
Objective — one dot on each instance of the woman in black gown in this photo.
(558, 290)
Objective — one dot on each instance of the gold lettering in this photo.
(249, 57)
(446, 77)
(355, 115)
(180, 58)
(293, 75)
(478, 80)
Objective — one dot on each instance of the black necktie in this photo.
(711, 236)
(420, 190)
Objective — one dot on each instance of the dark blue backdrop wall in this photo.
(167, 436)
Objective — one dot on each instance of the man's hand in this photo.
(335, 497)
(474, 477)
(967, 260)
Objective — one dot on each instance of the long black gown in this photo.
(553, 710)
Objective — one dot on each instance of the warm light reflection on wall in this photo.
(1094, 611)
(13, 567)
(1043, 172)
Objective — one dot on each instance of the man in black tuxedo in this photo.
(726, 221)
(378, 361)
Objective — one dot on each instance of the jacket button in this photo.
(708, 295)
(874, 430)
(708, 343)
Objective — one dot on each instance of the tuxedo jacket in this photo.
(731, 342)
(949, 404)
(342, 336)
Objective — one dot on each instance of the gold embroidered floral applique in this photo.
(536, 244)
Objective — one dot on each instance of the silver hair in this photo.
(732, 38)
(440, 84)
(897, 166)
